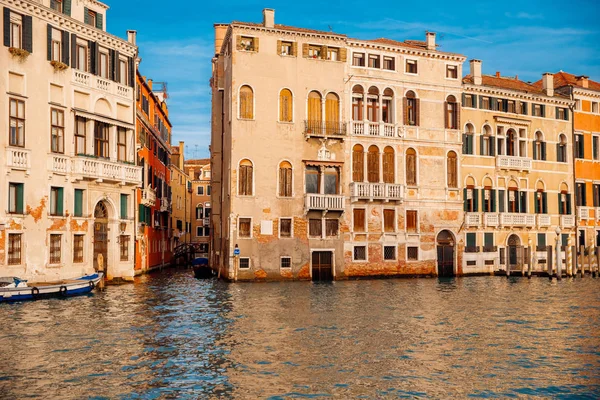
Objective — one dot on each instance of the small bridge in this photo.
(184, 254)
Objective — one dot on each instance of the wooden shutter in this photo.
(405, 110)
(255, 44)
(417, 111)
(67, 7)
(78, 208)
(493, 199)
(99, 21)
(535, 154)
(359, 220)
(73, 50)
(323, 52)
(6, 26)
(446, 119)
(28, 33)
(343, 54)
(388, 167)
(558, 153)
(332, 111)
(65, 47)
(288, 182)
(117, 66)
(523, 205)
(131, 65)
(411, 173)
(242, 180)
(282, 177)
(249, 176)
(111, 64)
(314, 109)
(373, 166)
(93, 49)
(545, 203)
(358, 167)
(475, 200)
(279, 47)
(295, 49)
(465, 144)
(452, 175)
(457, 116)
(123, 206)
(86, 15)
(305, 50)
(19, 206)
(59, 201)
(465, 201)
(49, 41)
(238, 42)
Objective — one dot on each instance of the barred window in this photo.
(244, 263)
(315, 228)
(412, 253)
(360, 253)
(124, 241)
(331, 227)
(55, 244)
(286, 262)
(78, 248)
(14, 248)
(244, 228)
(389, 253)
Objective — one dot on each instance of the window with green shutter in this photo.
(56, 201)
(124, 201)
(78, 206)
(565, 239)
(488, 240)
(142, 214)
(471, 239)
(15, 198)
(501, 202)
(541, 240)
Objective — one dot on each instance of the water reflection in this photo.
(171, 336)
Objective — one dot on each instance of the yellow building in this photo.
(517, 170)
(181, 197)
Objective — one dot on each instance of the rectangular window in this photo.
(56, 201)
(488, 241)
(78, 203)
(103, 65)
(200, 190)
(389, 63)
(537, 110)
(199, 231)
(16, 30)
(78, 248)
(580, 197)
(124, 245)
(101, 140)
(15, 198)
(14, 249)
(244, 227)
(389, 217)
(411, 221)
(333, 53)
(452, 72)
(121, 144)
(285, 227)
(287, 49)
(596, 196)
(579, 146)
(412, 253)
(124, 206)
(123, 72)
(57, 131)
(360, 253)
(560, 113)
(596, 148)
(523, 108)
(17, 123)
(208, 190)
(411, 66)
(57, 5)
(510, 106)
(56, 45)
(389, 253)
(595, 107)
(91, 17)
(244, 263)
(468, 101)
(246, 43)
(359, 219)
(471, 243)
(331, 227)
(314, 51)
(80, 135)
(82, 57)
(55, 250)
(358, 59)
(315, 228)
(485, 103)
(286, 262)
(541, 240)
(374, 61)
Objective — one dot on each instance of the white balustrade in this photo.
(472, 219)
(149, 197)
(103, 84)
(516, 163)
(358, 128)
(124, 91)
(322, 202)
(80, 77)
(389, 130)
(583, 212)
(106, 170)
(543, 221)
(517, 219)
(374, 128)
(377, 191)
(18, 158)
(567, 221)
(491, 219)
(58, 164)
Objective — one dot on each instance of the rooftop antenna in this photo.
(196, 151)
(330, 28)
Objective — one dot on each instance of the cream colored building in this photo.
(181, 198)
(517, 171)
(67, 171)
(333, 157)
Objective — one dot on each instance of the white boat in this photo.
(15, 289)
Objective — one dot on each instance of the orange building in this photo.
(199, 170)
(586, 151)
(153, 242)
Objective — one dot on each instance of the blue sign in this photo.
(236, 252)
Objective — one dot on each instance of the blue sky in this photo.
(523, 38)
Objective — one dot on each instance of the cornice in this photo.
(517, 94)
(258, 28)
(50, 16)
(512, 121)
(406, 50)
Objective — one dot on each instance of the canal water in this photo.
(171, 336)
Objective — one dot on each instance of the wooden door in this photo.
(445, 260)
(322, 266)
(100, 244)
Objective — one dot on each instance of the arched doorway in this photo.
(445, 254)
(513, 250)
(101, 236)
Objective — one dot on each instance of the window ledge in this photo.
(59, 265)
(50, 216)
(246, 119)
(286, 122)
(411, 73)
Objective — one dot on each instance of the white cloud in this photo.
(523, 15)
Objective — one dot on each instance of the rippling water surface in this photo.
(171, 336)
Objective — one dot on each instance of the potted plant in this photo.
(58, 66)
(21, 54)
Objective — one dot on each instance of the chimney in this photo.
(548, 84)
(430, 39)
(269, 18)
(150, 84)
(498, 74)
(583, 81)
(131, 37)
(220, 31)
(476, 71)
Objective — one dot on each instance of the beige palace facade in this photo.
(517, 171)
(67, 170)
(342, 161)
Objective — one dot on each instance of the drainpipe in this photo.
(576, 211)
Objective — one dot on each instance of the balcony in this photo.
(491, 219)
(105, 170)
(206, 221)
(472, 219)
(324, 129)
(18, 158)
(324, 202)
(583, 213)
(165, 204)
(149, 197)
(58, 164)
(543, 221)
(513, 163)
(376, 191)
(361, 128)
(104, 85)
(517, 220)
(567, 221)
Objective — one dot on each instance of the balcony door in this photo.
(100, 237)
(514, 242)
(445, 254)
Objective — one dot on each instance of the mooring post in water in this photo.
(558, 259)
(549, 263)
(597, 252)
(581, 260)
(530, 258)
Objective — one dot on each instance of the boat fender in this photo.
(92, 285)
(63, 290)
(35, 290)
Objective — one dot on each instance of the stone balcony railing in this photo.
(18, 158)
(324, 202)
(324, 129)
(517, 220)
(514, 163)
(376, 191)
(362, 128)
(149, 197)
(583, 213)
(94, 168)
(103, 85)
(472, 219)
(165, 204)
(543, 220)
(567, 221)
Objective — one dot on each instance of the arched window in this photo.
(468, 139)
(452, 170)
(452, 113)
(411, 167)
(389, 175)
(411, 109)
(489, 196)
(358, 163)
(513, 197)
(199, 211)
(357, 103)
(315, 112)
(470, 196)
(511, 141)
(246, 102)
(561, 149)
(486, 142)
(285, 179)
(387, 111)
(373, 104)
(373, 164)
(539, 147)
(541, 199)
(246, 178)
(564, 200)
(332, 114)
(285, 106)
